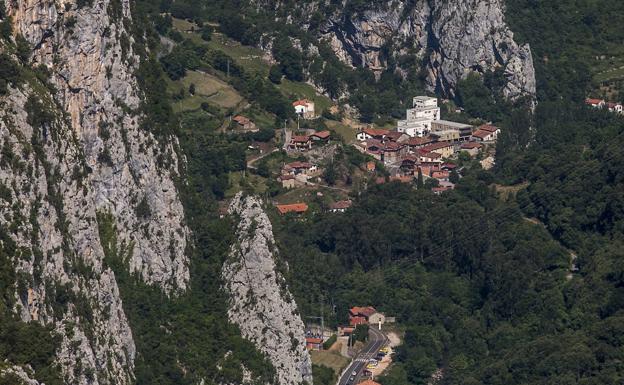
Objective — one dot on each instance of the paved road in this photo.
(376, 340)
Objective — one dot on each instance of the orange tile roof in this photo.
(419, 141)
(363, 310)
(322, 134)
(292, 208)
(488, 128)
(440, 174)
(300, 139)
(593, 101)
(481, 134)
(301, 102)
(240, 119)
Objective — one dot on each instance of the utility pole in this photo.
(228, 68)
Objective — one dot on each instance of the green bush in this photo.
(332, 340)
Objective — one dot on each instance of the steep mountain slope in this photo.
(450, 38)
(73, 148)
(260, 301)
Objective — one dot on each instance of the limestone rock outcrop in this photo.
(451, 38)
(260, 303)
(73, 150)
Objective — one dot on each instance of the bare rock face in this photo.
(450, 37)
(260, 303)
(18, 374)
(89, 52)
(73, 151)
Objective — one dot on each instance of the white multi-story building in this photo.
(419, 118)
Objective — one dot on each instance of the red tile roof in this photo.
(436, 146)
(410, 159)
(427, 154)
(593, 101)
(488, 128)
(310, 340)
(357, 321)
(450, 166)
(292, 208)
(440, 174)
(481, 134)
(322, 134)
(287, 177)
(419, 141)
(365, 311)
(300, 139)
(302, 102)
(393, 146)
(394, 135)
(240, 119)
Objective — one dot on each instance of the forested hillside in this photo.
(483, 293)
(577, 45)
(492, 288)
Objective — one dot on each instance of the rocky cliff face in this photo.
(73, 154)
(450, 37)
(260, 303)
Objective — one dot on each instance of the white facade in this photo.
(304, 108)
(419, 118)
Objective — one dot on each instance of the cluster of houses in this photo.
(297, 174)
(600, 103)
(423, 142)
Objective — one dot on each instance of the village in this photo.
(421, 150)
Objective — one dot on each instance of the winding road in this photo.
(376, 340)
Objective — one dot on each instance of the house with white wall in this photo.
(304, 108)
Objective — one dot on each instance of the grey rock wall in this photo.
(451, 38)
(260, 303)
(89, 156)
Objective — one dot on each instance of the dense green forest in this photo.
(576, 45)
(482, 292)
